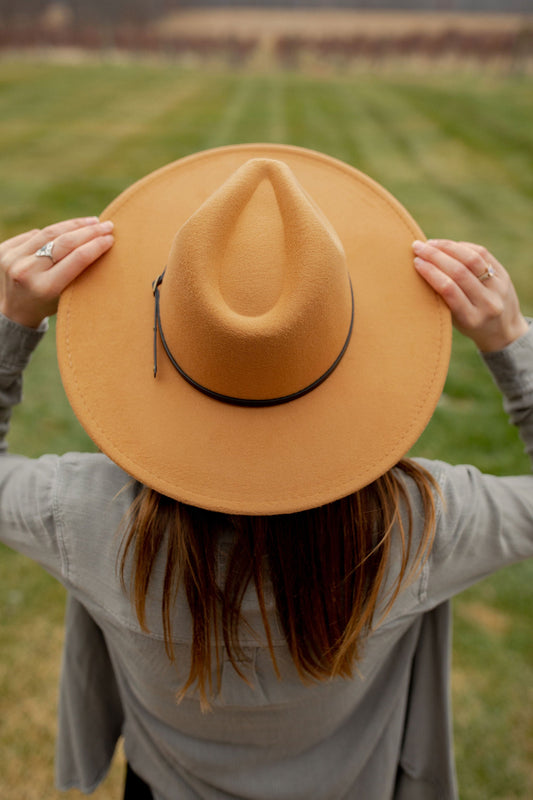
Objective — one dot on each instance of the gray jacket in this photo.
(383, 734)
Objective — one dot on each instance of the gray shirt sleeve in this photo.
(26, 485)
(17, 344)
(485, 522)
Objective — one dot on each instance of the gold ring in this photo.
(486, 275)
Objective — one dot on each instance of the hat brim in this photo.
(305, 453)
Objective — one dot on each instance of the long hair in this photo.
(326, 567)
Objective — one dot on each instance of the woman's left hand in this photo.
(477, 289)
(30, 284)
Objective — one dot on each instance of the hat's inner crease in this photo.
(251, 274)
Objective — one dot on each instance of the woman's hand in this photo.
(477, 289)
(30, 284)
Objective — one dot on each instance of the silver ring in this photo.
(486, 275)
(46, 250)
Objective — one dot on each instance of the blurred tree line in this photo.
(76, 13)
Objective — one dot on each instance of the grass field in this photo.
(457, 150)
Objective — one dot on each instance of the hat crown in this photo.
(256, 300)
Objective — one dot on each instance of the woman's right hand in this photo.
(477, 289)
(30, 283)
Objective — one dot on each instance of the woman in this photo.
(271, 620)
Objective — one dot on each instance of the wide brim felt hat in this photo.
(305, 354)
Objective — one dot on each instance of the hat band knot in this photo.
(224, 398)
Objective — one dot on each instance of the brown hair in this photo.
(342, 548)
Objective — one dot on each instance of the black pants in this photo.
(135, 788)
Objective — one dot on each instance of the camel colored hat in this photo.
(257, 340)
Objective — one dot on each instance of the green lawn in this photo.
(457, 150)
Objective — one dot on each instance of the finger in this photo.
(56, 279)
(474, 256)
(488, 256)
(51, 232)
(66, 243)
(460, 263)
(18, 240)
(452, 294)
(451, 243)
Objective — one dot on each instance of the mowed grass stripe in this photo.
(236, 119)
(489, 123)
(372, 133)
(490, 184)
(313, 117)
(86, 105)
(405, 152)
(276, 109)
(167, 132)
(91, 147)
(451, 186)
(428, 157)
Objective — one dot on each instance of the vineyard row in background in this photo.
(290, 50)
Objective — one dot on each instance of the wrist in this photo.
(23, 316)
(499, 340)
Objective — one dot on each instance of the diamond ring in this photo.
(46, 250)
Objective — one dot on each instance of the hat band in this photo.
(224, 398)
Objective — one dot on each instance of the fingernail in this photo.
(108, 225)
(418, 246)
(90, 220)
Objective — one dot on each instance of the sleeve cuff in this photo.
(17, 342)
(512, 366)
